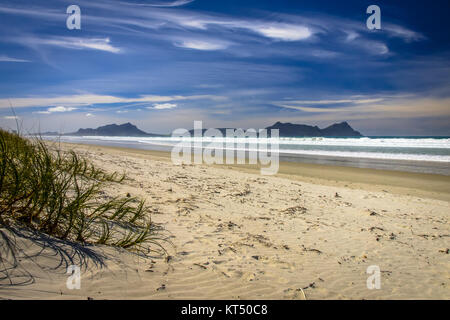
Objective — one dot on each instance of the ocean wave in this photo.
(428, 143)
(420, 149)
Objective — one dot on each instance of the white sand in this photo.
(239, 235)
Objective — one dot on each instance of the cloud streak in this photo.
(177, 3)
(379, 109)
(57, 109)
(4, 58)
(203, 45)
(91, 99)
(161, 106)
(101, 44)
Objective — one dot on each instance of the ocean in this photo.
(413, 154)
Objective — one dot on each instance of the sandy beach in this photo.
(309, 232)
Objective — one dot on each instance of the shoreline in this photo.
(364, 161)
(429, 185)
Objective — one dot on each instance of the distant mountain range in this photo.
(112, 130)
(342, 129)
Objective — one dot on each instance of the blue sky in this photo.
(163, 64)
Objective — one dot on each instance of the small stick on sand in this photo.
(304, 295)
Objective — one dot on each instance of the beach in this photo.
(309, 232)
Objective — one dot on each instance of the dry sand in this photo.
(310, 231)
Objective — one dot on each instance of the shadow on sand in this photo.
(18, 244)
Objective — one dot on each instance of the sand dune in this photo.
(240, 235)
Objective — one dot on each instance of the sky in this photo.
(161, 64)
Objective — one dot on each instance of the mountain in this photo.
(123, 130)
(342, 129)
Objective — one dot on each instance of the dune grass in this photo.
(59, 193)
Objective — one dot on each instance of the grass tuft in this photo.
(58, 193)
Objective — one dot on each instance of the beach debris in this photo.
(163, 287)
(128, 195)
(392, 236)
(200, 265)
(373, 213)
(168, 259)
(243, 193)
(294, 210)
(256, 257)
(447, 251)
(232, 249)
(337, 195)
(231, 225)
(303, 292)
(311, 250)
(90, 298)
(260, 238)
(311, 285)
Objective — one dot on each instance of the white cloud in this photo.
(57, 109)
(11, 118)
(164, 106)
(337, 101)
(284, 32)
(268, 29)
(61, 109)
(101, 44)
(89, 115)
(208, 45)
(89, 99)
(4, 58)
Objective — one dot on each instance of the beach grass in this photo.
(61, 194)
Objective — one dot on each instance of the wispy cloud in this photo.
(4, 58)
(91, 99)
(204, 45)
(392, 108)
(284, 32)
(131, 17)
(163, 106)
(403, 33)
(134, 15)
(57, 109)
(177, 3)
(61, 109)
(336, 101)
(77, 43)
